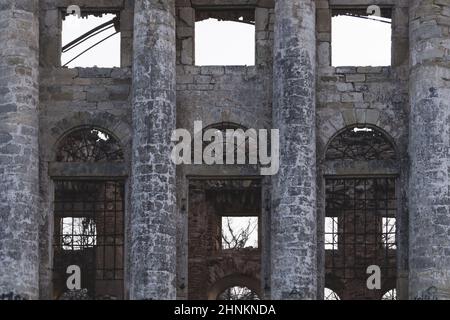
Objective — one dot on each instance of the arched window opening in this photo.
(88, 217)
(238, 293)
(330, 295)
(390, 295)
(89, 145)
(360, 143)
(360, 211)
(239, 145)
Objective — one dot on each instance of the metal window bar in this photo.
(361, 204)
(331, 235)
(101, 261)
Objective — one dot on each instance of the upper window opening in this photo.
(92, 40)
(360, 39)
(225, 37)
(360, 143)
(239, 232)
(89, 145)
(238, 293)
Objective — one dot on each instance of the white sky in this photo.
(355, 42)
(224, 43)
(370, 42)
(106, 55)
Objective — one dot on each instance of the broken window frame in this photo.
(361, 12)
(224, 14)
(232, 14)
(85, 13)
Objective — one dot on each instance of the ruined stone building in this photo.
(86, 177)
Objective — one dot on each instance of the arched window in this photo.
(89, 216)
(237, 140)
(89, 145)
(330, 295)
(360, 143)
(390, 295)
(360, 210)
(238, 293)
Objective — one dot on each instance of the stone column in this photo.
(19, 158)
(294, 247)
(429, 145)
(153, 229)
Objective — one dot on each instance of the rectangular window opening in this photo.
(224, 38)
(92, 40)
(360, 38)
(239, 232)
(89, 234)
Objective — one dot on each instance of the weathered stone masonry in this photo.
(429, 146)
(19, 198)
(158, 87)
(153, 238)
(294, 263)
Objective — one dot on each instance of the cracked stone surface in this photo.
(153, 230)
(294, 262)
(429, 146)
(19, 254)
(291, 87)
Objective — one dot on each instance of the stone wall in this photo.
(408, 101)
(71, 98)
